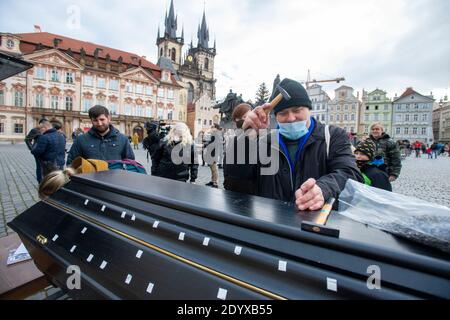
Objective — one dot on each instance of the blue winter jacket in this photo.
(51, 147)
(91, 145)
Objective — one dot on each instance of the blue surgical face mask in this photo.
(293, 130)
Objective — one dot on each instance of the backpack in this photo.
(126, 164)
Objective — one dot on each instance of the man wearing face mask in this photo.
(307, 174)
(102, 141)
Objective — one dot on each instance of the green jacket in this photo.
(387, 148)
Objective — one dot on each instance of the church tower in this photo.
(170, 45)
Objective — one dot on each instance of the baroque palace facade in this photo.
(70, 76)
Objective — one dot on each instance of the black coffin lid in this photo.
(212, 240)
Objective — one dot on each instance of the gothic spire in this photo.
(203, 33)
(171, 22)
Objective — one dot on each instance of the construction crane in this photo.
(309, 81)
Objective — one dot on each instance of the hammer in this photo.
(283, 94)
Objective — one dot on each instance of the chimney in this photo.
(56, 42)
(37, 28)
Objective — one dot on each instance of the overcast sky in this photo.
(389, 44)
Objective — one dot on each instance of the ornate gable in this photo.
(53, 57)
(139, 74)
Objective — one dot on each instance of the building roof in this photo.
(343, 87)
(410, 91)
(65, 43)
(166, 63)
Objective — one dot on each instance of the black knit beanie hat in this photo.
(299, 96)
(367, 147)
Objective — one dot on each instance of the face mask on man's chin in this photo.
(239, 123)
(293, 130)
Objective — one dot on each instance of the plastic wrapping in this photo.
(404, 216)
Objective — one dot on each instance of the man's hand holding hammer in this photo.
(309, 196)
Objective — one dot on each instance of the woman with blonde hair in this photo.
(175, 158)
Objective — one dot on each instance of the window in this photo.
(210, 122)
(39, 100)
(338, 118)
(386, 107)
(2, 97)
(128, 87)
(414, 130)
(161, 92)
(69, 77)
(54, 102)
(366, 117)
(18, 99)
(139, 111)
(170, 115)
(338, 108)
(128, 109)
(323, 117)
(346, 107)
(173, 54)
(406, 117)
(114, 84)
(69, 103)
(148, 90)
(205, 122)
(180, 116)
(101, 83)
(366, 129)
(416, 106)
(424, 131)
(55, 75)
(406, 130)
(375, 117)
(160, 113)
(87, 104)
(18, 128)
(386, 117)
(40, 73)
(170, 94)
(397, 130)
(424, 117)
(398, 118)
(148, 112)
(113, 108)
(199, 122)
(367, 107)
(376, 107)
(2, 127)
(353, 117)
(139, 89)
(87, 81)
(416, 117)
(345, 117)
(331, 118)
(206, 63)
(352, 129)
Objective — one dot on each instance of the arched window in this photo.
(174, 54)
(190, 93)
(161, 52)
(206, 63)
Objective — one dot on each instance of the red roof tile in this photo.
(75, 46)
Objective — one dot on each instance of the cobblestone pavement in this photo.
(423, 178)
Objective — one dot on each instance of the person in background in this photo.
(50, 149)
(213, 151)
(163, 164)
(102, 141)
(30, 140)
(374, 176)
(136, 141)
(387, 149)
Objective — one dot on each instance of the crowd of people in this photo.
(314, 160)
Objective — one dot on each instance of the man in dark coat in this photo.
(387, 149)
(31, 140)
(102, 141)
(50, 149)
(310, 170)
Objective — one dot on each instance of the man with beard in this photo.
(102, 141)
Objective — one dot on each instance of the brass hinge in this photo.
(41, 239)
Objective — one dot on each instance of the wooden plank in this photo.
(19, 280)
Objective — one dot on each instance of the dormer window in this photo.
(10, 44)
